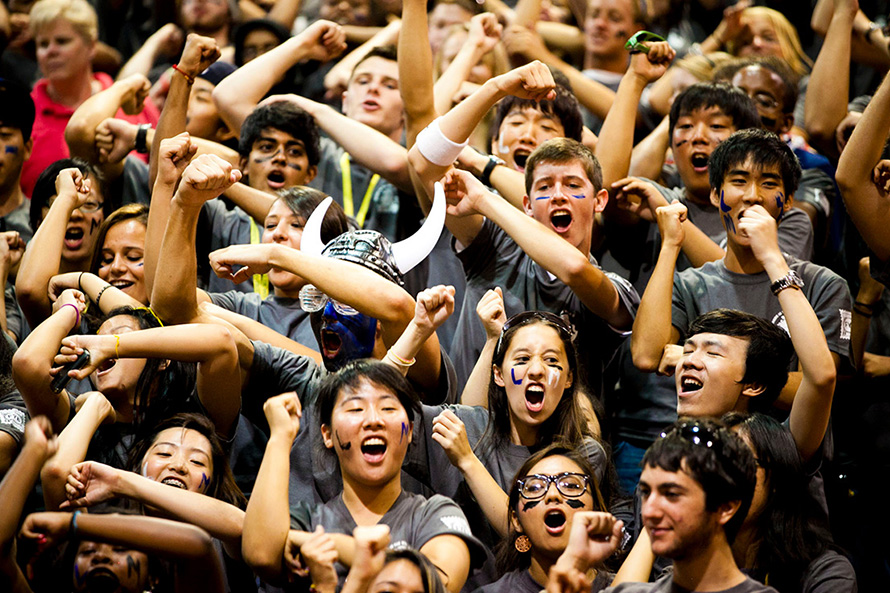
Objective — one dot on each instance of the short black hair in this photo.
(769, 355)
(564, 107)
(356, 372)
(778, 66)
(764, 148)
(731, 100)
(286, 117)
(18, 107)
(45, 187)
(564, 150)
(715, 457)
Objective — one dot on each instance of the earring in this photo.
(522, 544)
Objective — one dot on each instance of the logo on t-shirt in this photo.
(779, 320)
(458, 524)
(846, 320)
(13, 418)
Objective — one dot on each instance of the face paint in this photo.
(529, 505)
(78, 578)
(581, 197)
(94, 224)
(264, 159)
(344, 447)
(133, 566)
(553, 375)
(621, 34)
(730, 225)
(723, 207)
(574, 503)
(513, 376)
(205, 481)
(12, 150)
(343, 338)
(544, 198)
(404, 432)
(780, 204)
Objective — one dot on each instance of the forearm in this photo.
(80, 132)
(173, 294)
(596, 97)
(826, 100)
(638, 564)
(491, 498)
(267, 518)
(142, 61)
(253, 201)
(510, 183)
(455, 75)
(475, 392)
(14, 491)
(647, 157)
(415, 69)
(561, 37)
(158, 214)
(112, 298)
(698, 247)
(616, 137)
(652, 329)
(171, 122)
(285, 12)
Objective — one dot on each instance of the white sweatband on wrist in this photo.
(435, 147)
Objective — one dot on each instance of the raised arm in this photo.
(239, 93)
(434, 306)
(336, 80)
(652, 329)
(867, 298)
(209, 345)
(812, 402)
(490, 310)
(866, 201)
(33, 361)
(95, 290)
(159, 44)
(484, 35)
(90, 483)
(267, 520)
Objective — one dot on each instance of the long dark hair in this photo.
(789, 535)
(429, 574)
(507, 557)
(567, 419)
(222, 484)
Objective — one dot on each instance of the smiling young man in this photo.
(697, 484)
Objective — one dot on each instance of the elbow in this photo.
(26, 367)
(643, 357)
(825, 377)
(259, 558)
(53, 475)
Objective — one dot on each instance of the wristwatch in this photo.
(493, 162)
(789, 280)
(141, 134)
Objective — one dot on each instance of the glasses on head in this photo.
(569, 484)
(565, 330)
(698, 434)
(313, 300)
(635, 43)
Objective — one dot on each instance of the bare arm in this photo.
(869, 295)
(338, 77)
(485, 33)
(490, 310)
(450, 554)
(648, 155)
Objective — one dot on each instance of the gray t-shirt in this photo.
(666, 585)
(226, 227)
(19, 220)
(282, 314)
(830, 573)
(13, 415)
(383, 210)
(520, 581)
(494, 259)
(413, 521)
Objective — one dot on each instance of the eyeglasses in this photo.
(635, 43)
(313, 300)
(698, 434)
(87, 207)
(565, 330)
(570, 485)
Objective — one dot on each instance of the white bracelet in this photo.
(435, 147)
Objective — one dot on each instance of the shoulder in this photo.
(830, 572)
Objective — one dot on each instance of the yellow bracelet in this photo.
(117, 345)
(399, 360)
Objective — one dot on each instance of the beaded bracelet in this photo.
(101, 292)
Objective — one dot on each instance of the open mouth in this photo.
(373, 449)
(370, 105)
(534, 398)
(331, 342)
(561, 220)
(275, 179)
(700, 162)
(520, 157)
(73, 237)
(106, 366)
(555, 521)
(689, 385)
(101, 580)
(122, 284)
(175, 482)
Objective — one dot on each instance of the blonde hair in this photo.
(79, 13)
(496, 59)
(789, 41)
(703, 66)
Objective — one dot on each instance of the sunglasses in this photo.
(635, 43)
(313, 300)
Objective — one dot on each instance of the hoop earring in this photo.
(522, 544)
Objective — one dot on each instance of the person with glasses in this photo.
(550, 491)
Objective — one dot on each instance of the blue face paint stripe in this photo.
(205, 481)
(12, 150)
(404, 432)
(780, 204)
(513, 376)
(723, 207)
(579, 197)
(544, 198)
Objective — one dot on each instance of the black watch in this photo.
(789, 280)
(141, 135)
(493, 162)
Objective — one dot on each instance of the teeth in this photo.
(374, 441)
(176, 482)
(691, 384)
(535, 388)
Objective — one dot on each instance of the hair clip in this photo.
(635, 43)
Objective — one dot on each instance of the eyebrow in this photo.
(711, 342)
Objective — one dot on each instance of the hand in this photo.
(319, 554)
(652, 65)
(731, 27)
(72, 182)
(881, 176)
(61, 282)
(485, 32)
(761, 230)
(670, 223)
(670, 358)
(491, 312)
(114, 139)
(451, 434)
(638, 197)
(47, 529)
(205, 178)
(522, 41)
(101, 347)
(91, 483)
(466, 89)
(434, 306)
(97, 401)
(166, 40)
(845, 129)
(566, 579)
(593, 538)
(283, 412)
(251, 259)
(870, 290)
(12, 247)
(463, 193)
(133, 99)
(532, 81)
(370, 551)
(174, 156)
(71, 296)
(323, 41)
(198, 54)
(307, 105)
(39, 435)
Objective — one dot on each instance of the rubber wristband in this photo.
(436, 148)
(76, 310)
(866, 305)
(117, 347)
(79, 285)
(72, 527)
